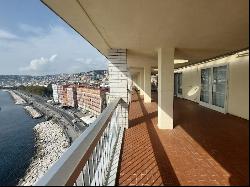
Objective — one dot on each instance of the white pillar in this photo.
(136, 83)
(133, 80)
(136, 80)
(165, 88)
(141, 80)
(118, 74)
(147, 84)
(119, 80)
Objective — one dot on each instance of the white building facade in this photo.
(55, 93)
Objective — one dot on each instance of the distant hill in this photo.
(16, 77)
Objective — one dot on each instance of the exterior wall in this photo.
(238, 103)
(191, 83)
(55, 93)
(79, 96)
(238, 83)
(71, 97)
(65, 98)
(62, 94)
(92, 99)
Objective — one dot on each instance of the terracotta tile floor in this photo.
(205, 147)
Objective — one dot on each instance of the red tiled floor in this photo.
(204, 148)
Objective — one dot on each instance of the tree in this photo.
(38, 90)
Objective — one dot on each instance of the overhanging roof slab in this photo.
(197, 29)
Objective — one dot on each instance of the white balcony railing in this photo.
(92, 159)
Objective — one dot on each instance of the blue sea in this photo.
(16, 140)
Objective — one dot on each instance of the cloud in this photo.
(91, 63)
(74, 54)
(5, 35)
(39, 65)
(52, 58)
(31, 29)
(86, 61)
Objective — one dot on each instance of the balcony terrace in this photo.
(205, 147)
(167, 141)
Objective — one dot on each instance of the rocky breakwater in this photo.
(51, 143)
(33, 112)
(18, 100)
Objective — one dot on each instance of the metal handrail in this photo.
(70, 165)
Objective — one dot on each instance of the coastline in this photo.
(20, 101)
(33, 112)
(17, 140)
(17, 99)
(51, 143)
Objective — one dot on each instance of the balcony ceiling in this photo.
(198, 29)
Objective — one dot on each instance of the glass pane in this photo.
(179, 83)
(219, 86)
(205, 77)
(175, 84)
(218, 99)
(205, 96)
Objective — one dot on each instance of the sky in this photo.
(35, 41)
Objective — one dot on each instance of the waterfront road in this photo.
(78, 126)
(73, 129)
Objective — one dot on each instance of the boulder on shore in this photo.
(51, 143)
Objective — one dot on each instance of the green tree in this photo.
(38, 90)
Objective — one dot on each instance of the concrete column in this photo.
(119, 81)
(133, 80)
(147, 84)
(130, 87)
(165, 88)
(118, 74)
(136, 82)
(141, 80)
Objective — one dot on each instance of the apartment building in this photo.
(55, 93)
(71, 96)
(91, 98)
(62, 94)
(83, 96)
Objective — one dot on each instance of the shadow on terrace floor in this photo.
(205, 148)
(144, 161)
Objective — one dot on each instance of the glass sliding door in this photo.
(219, 86)
(179, 88)
(178, 84)
(205, 85)
(214, 88)
(175, 84)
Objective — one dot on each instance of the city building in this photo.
(55, 93)
(95, 76)
(92, 99)
(199, 48)
(62, 94)
(71, 96)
